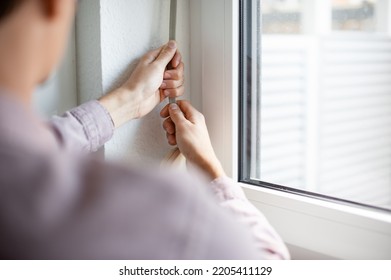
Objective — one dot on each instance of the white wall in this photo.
(111, 37)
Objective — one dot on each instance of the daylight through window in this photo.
(316, 97)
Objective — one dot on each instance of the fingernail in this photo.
(167, 76)
(166, 93)
(172, 45)
(174, 106)
(163, 85)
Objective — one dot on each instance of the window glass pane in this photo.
(281, 17)
(354, 15)
(316, 107)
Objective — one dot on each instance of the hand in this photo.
(149, 84)
(186, 127)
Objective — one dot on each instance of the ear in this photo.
(50, 8)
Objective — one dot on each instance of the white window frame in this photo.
(312, 228)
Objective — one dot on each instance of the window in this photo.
(281, 17)
(354, 15)
(291, 16)
(311, 227)
(316, 110)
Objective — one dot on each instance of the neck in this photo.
(19, 58)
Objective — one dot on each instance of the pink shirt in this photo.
(58, 202)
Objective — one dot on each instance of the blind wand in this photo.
(172, 34)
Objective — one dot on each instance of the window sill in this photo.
(324, 228)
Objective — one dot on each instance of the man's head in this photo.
(6, 7)
(36, 32)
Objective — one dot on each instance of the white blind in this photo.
(283, 114)
(355, 119)
(326, 115)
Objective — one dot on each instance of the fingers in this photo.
(184, 106)
(167, 54)
(177, 92)
(172, 84)
(176, 61)
(175, 74)
(176, 114)
(164, 113)
(169, 126)
(151, 56)
(171, 139)
(190, 112)
(164, 55)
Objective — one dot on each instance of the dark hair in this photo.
(7, 7)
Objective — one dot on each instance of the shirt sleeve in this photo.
(231, 197)
(84, 128)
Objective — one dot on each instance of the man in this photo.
(56, 202)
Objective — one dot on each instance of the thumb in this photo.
(176, 113)
(167, 53)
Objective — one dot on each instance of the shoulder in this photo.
(179, 217)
